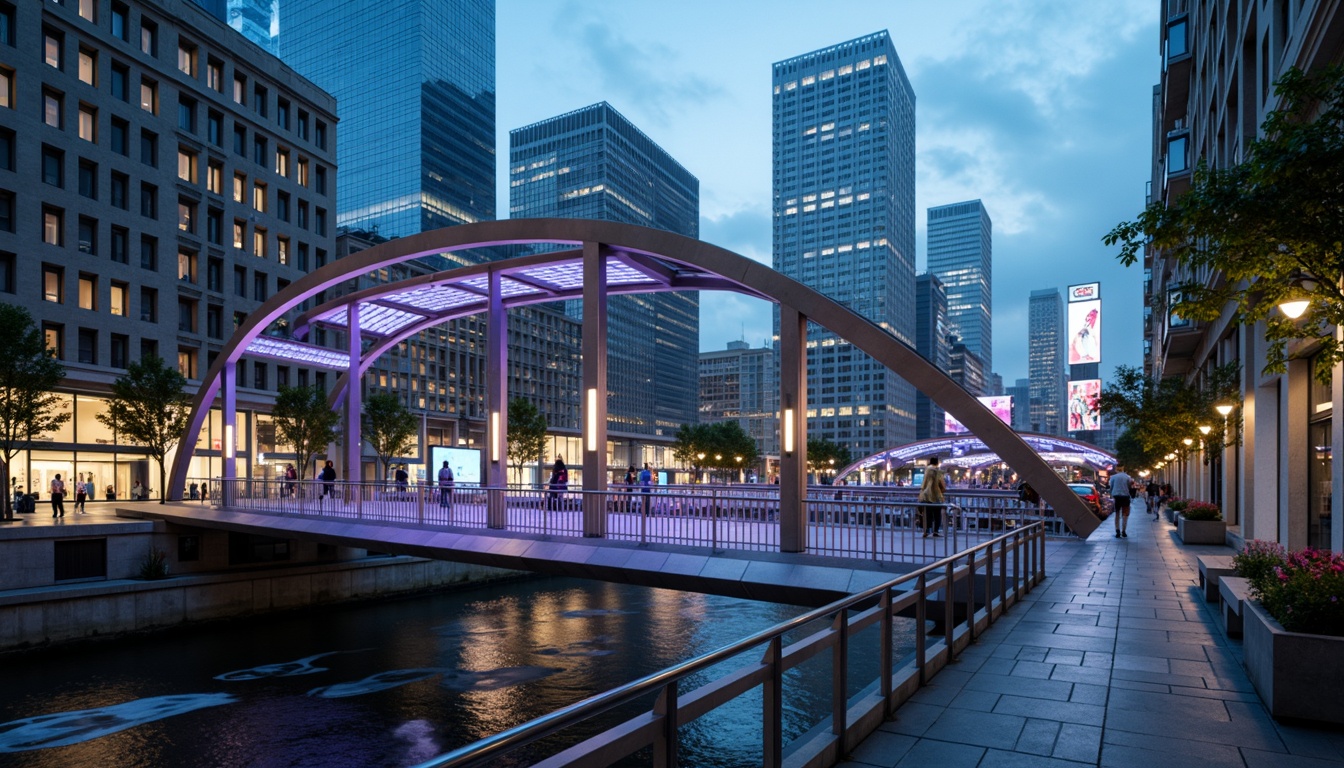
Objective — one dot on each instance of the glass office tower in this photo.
(593, 163)
(416, 95)
(1045, 360)
(961, 255)
(844, 224)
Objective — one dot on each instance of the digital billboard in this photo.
(1083, 415)
(1084, 292)
(1001, 405)
(1085, 332)
(465, 462)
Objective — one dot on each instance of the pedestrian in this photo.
(558, 483)
(931, 498)
(291, 478)
(137, 491)
(646, 485)
(81, 493)
(195, 491)
(446, 486)
(1121, 492)
(403, 480)
(631, 478)
(328, 478)
(1154, 491)
(90, 490)
(57, 497)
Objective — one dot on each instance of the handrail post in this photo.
(873, 512)
(772, 716)
(949, 616)
(1003, 576)
(714, 519)
(1018, 542)
(665, 747)
(420, 504)
(970, 595)
(840, 678)
(921, 612)
(884, 668)
(989, 583)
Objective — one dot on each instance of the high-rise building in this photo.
(1045, 361)
(145, 210)
(961, 255)
(844, 224)
(1021, 394)
(416, 95)
(739, 384)
(593, 163)
(254, 19)
(931, 342)
(965, 367)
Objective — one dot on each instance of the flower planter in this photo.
(1170, 514)
(1201, 531)
(1298, 676)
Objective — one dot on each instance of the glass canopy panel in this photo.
(385, 321)
(507, 287)
(620, 273)
(304, 354)
(566, 276)
(436, 298)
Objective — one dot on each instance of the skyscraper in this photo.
(1045, 359)
(961, 255)
(844, 224)
(593, 163)
(416, 96)
(1021, 394)
(739, 384)
(931, 342)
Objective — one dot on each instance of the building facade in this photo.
(1282, 482)
(966, 368)
(1045, 361)
(931, 342)
(960, 251)
(160, 178)
(844, 224)
(1021, 394)
(593, 163)
(741, 384)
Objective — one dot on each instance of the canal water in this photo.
(393, 682)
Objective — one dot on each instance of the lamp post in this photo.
(1297, 299)
(738, 461)
(700, 462)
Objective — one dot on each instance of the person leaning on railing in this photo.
(932, 498)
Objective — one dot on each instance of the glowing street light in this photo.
(1224, 409)
(1189, 441)
(1298, 298)
(1205, 429)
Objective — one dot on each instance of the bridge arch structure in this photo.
(971, 452)
(597, 259)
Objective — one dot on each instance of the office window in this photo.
(7, 272)
(186, 315)
(51, 109)
(282, 162)
(320, 180)
(120, 137)
(303, 377)
(87, 9)
(259, 243)
(320, 221)
(88, 179)
(119, 189)
(121, 78)
(259, 152)
(88, 66)
(214, 126)
(239, 188)
(121, 245)
(301, 127)
(321, 256)
(186, 58)
(214, 75)
(214, 177)
(282, 205)
(214, 275)
(259, 375)
(6, 88)
(6, 24)
(186, 362)
(53, 335)
(303, 214)
(149, 200)
(239, 234)
(53, 166)
(186, 114)
(7, 141)
(148, 348)
(214, 321)
(149, 149)
(186, 266)
(259, 100)
(240, 281)
(149, 305)
(240, 140)
(88, 123)
(281, 376)
(53, 288)
(118, 350)
(149, 253)
(259, 197)
(186, 165)
(88, 235)
(149, 38)
(52, 44)
(282, 113)
(301, 172)
(6, 211)
(149, 96)
(186, 216)
(303, 257)
(117, 300)
(259, 286)
(240, 89)
(53, 226)
(214, 226)
(282, 250)
(88, 346)
(88, 292)
(320, 132)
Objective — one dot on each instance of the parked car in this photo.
(1090, 498)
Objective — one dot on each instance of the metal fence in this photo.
(977, 585)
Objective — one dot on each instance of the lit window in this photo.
(87, 9)
(51, 284)
(214, 177)
(302, 172)
(88, 123)
(51, 49)
(51, 109)
(186, 166)
(51, 227)
(88, 67)
(282, 162)
(214, 75)
(88, 292)
(259, 243)
(149, 97)
(239, 235)
(239, 188)
(186, 59)
(259, 197)
(117, 301)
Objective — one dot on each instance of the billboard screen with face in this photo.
(1083, 415)
(1085, 332)
(1001, 405)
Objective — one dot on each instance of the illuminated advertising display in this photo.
(1084, 292)
(1083, 415)
(1085, 332)
(465, 462)
(1001, 405)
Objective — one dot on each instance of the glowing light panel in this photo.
(306, 354)
(1083, 413)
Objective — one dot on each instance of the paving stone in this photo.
(1063, 711)
(944, 754)
(1123, 748)
(996, 758)
(1033, 670)
(883, 749)
(1089, 694)
(1257, 759)
(1088, 675)
(983, 701)
(912, 719)
(982, 729)
(1078, 742)
(1042, 689)
(1038, 737)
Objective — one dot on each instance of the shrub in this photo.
(1176, 505)
(1304, 593)
(154, 565)
(1257, 560)
(1201, 510)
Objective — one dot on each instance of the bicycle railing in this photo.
(965, 583)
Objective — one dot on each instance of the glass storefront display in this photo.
(1320, 452)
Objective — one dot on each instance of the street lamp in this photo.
(1189, 441)
(700, 462)
(738, 460)
(1205, 429)
(1298, 297)
(1224, 409)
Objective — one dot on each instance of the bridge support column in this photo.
(792, 430)
(594, 390)
(354, 396)
(228, 393)
(496, 405)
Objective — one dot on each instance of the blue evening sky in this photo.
(1040, 108)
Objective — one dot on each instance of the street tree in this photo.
(1158, 416)
(1265, 231)
(304, 420)
(149, 407)
(390, 428)
(527, 434)
(29, 373)
(824, 456)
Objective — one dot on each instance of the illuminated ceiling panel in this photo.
(436, 298)
(304, 354)
(384, 321)
(507, 287)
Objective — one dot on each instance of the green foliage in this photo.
(154, 565)
(149, 407)
(29, 372)
(1130, 451)
(1257, 560)
(1306, 592)
(1241, 234)
(1202, 510)
(390, 427)
(824, 455)
(527, 434)
(721, 442)
(1157, 415)
(304, 420)
(1178, 505)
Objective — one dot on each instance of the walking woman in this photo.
(81, 493)
(57, 497)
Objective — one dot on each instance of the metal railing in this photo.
(964, 594)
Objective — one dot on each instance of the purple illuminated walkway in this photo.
(1115, 661)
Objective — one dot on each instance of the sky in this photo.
(1042, 109)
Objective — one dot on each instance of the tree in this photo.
(149, 407)
(29, 372)
(390, 427)
(1157, 416)
(527, 434)
(824, 455)
(304, 420)
(690, 446)
(1266, 230)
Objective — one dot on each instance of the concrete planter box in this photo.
(1298, 676)
(1170, 514)
(1201, 531)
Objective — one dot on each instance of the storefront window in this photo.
(88, 430)
(1320, 452)
(66, 432)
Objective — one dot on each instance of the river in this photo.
(391, 682)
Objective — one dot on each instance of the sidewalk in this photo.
(1116, 660)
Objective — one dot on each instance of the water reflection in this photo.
(302, 666)
(66, 728)
(379, 682)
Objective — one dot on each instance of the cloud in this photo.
(746, 231)
(728, 317)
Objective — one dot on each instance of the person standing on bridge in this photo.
(558, 483)
(646, 485)
(446, 486)
(931, 498)
(328, 478)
